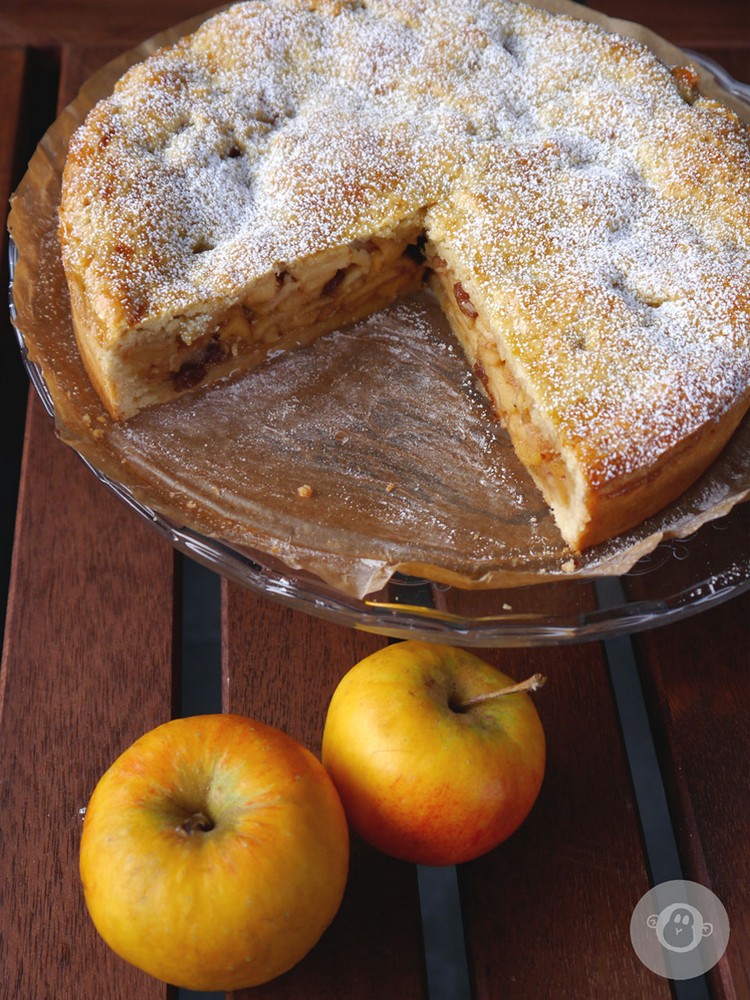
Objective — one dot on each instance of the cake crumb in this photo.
(305, 491)
(569, 566)
(390, 487)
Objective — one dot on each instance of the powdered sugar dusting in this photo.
(573, 186)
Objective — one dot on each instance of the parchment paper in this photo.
(368, 453)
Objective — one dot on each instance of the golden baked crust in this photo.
(584, 212)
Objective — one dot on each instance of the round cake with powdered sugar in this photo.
(580, 211)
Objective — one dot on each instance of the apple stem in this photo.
(532, 683)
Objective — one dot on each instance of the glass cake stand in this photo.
(680, 577)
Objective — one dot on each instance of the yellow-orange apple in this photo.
(425, 773)
(214, 853)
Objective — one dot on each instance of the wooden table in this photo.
(97, 648)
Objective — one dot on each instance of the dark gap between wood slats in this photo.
(440, 904)
(199, 684)
(444, 934)
(694, 678)
(660, 844)
(36, 102)
(199, 680)
(200, 691)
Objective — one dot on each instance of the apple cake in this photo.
(580, 210)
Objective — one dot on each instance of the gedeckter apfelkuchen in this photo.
(580, 211)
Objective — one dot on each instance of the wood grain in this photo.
(697, 675)
(78, 63)
(12, 65)
(87, 667)
(86, 670)
(282, 668)
(690, 24)
(123, 23)
(50, 23)
(547, 913)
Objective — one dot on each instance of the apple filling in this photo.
(502, 381)
(284, 309)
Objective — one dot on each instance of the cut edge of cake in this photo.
(286, 308)
(585, 515)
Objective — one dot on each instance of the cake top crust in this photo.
(594, 205)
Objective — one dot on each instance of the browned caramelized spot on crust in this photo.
(464, 302)
(107, 137)
(687, 82)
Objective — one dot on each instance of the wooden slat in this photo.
(691, 24)
(697, 674)
(547, 914)
(83, 22)
(87, 667)
(282, 668)
(86, 670)
(47, 22)
(78, 63)
(552, 605)
(12, 64)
